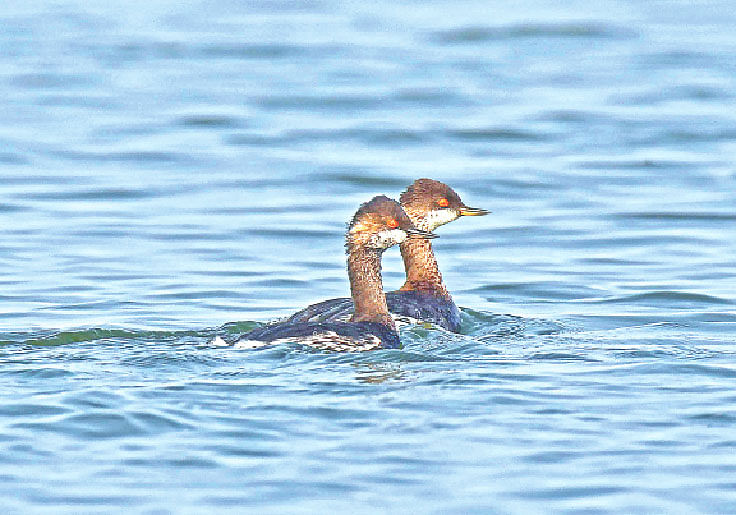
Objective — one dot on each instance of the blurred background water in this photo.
(171, 171)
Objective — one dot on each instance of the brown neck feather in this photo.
(422, 272)
(364, 271)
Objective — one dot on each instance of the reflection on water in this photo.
(170, 173)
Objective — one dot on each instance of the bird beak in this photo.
(472, 211)
(416, 234)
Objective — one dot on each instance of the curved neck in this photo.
(422, 272)
(366, 287)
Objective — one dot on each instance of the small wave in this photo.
(430, 96)
(89, 426)
(367, 135)
(12, 208)
(213, 121)
(677, 216)
(95, 194)
(364, 179)
(46, 180)
(56, 338)
(31, 410)
(326, 103)
(561, 356)
(290, 233)
(45, 81)
(681, 59)
(636, 164)
(133, 156)
(539, 291)
(684, 93)
(678, 370)
(132, 51)
(257, 51)
(12, 158)
(710, 419)
(706, 135)
(667, 296)
(573, 116)
(479, 34)
(497, 134)
(38, 373)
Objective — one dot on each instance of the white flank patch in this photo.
(403, 321)
(329, 340)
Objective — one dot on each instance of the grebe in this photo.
(423, 297)
(376, 226)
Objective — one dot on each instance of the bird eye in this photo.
(393, 223)
(443, 202)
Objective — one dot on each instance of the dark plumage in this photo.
(414, 305)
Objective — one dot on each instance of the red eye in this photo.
(443, 202)
(393, 223)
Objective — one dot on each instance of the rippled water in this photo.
(174, 171)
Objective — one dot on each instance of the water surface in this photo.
(171, 172)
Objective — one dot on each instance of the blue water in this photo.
(172, 171)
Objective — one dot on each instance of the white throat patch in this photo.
(388, 238)
(437, 218)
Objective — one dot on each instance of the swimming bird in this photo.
(424, 296)
(376, 226)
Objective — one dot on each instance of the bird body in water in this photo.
(424, 296)
(377, 225)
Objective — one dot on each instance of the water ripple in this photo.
(184, 171)
(478, 34)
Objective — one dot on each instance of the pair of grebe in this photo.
(365, 322)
